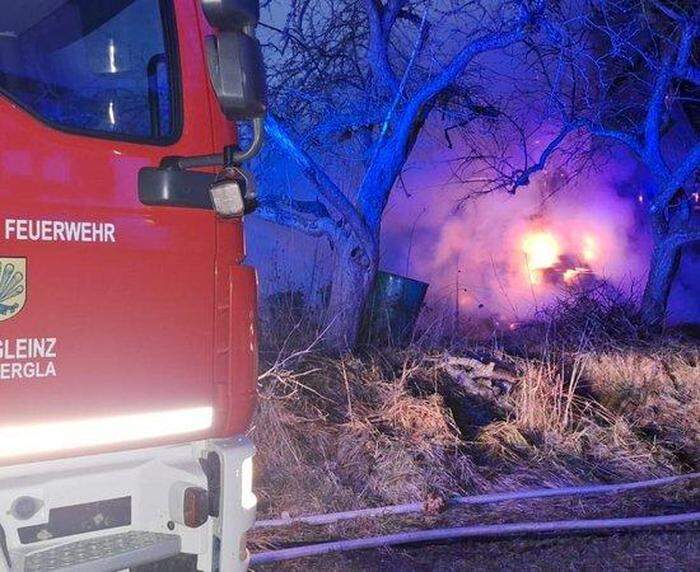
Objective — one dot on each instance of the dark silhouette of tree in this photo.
(357, 79)
(628, 72)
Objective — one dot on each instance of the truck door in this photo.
(106, 305)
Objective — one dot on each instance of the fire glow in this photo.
(546, 260)
(541, 252)
(504, 259)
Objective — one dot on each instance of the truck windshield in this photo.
(97, 66)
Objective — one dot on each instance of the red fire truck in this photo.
(127, 316)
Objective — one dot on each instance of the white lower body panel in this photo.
(147, 477)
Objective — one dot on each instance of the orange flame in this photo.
(542, 251)
(589, 250)
(573, 274)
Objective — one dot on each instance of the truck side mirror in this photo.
(235, 58)
(237, 74)
(232, 14)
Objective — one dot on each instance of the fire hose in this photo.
(330, 518)
(474, 531)
(492, 530)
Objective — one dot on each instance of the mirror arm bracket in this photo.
(231, 155)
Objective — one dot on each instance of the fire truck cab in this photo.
(128, 349)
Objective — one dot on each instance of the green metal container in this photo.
(393, 308)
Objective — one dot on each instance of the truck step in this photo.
(102, 554)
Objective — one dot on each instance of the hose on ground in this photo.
(482, 531)
(321, 519)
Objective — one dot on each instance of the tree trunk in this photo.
(662, 270)
(352, 279)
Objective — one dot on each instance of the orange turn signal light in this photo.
(195, 505)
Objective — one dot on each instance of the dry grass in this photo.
(657, 394)
(343, 433)
(348, 432)
(395, 426)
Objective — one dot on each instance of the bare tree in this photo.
(353, 83)
(627, 72)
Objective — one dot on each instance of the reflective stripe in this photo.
(22, 440)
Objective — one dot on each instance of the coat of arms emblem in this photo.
(13, 286)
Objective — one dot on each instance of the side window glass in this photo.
(101, 66)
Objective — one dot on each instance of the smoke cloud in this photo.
(503, 256)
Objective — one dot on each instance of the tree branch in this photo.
(690, 164)
(378, 56)
(621, 137)
(692, 74)
(391, 13)
(523, 177)
(684, 67)
(685, 47)
(654, 118)
(339, 122)
(459, 63)
(683, 237)
(391, 152)
(272, 211)
(400, 88)
(328, 191)
(482, 44)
